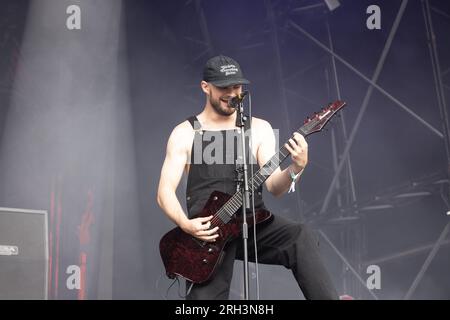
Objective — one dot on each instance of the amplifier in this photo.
(23, 254)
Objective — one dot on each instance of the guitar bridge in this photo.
(199, 242)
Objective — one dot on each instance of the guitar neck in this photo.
(235, 202)
(315, 124)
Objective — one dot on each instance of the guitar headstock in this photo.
(317, 122)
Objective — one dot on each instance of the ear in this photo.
(205, 87)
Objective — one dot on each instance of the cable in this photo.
(253, 197)
(176, 280)
(187, 291)
(157, 286)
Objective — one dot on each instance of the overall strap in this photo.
(194, 122)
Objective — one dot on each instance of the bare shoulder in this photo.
(261, 126)
(183, 128)
(265, 140)
(181, 136)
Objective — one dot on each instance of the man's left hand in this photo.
(298, 147)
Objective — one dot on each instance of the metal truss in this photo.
(349, 209)
(347, 214)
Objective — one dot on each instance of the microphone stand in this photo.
(240, 122)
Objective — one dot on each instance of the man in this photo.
(279, 241)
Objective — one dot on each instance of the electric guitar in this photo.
(196, 260)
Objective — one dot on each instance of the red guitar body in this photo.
(196, 260)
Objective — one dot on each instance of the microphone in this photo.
(234, 102)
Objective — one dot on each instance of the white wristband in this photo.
(294, 178)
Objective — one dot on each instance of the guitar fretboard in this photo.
(235, 202)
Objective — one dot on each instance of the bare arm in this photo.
(171, 173)
(279, 182)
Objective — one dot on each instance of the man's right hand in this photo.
(199, 228)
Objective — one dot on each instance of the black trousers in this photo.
(280, 242)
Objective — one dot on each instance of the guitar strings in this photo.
(221, 215)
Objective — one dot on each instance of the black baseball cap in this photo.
(223, 71)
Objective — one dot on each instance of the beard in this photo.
(219, 108)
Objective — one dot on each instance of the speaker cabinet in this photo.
(23, 254)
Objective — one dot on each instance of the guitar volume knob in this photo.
(205, 261)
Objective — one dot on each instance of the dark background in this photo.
(85, 116)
